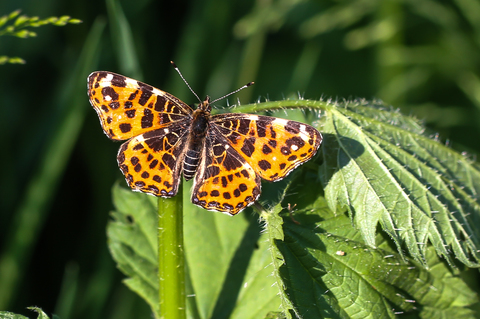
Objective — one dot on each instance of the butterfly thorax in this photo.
(196, 139)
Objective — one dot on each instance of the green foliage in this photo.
(329, 271)
(377, 166)
(17, 25)
(18, 28)
(12, 60)
(10, 315)
(132, 242)
(380, 166)
(443, 51)
(227, 276)
(39, 193)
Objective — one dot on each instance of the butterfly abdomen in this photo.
(198, 131)
(190, 164)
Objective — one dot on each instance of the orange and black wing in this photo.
(224, 181)
(273, 147)
(152, 162)
(128, 108)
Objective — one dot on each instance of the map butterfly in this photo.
(226, 154)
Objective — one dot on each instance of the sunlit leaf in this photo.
(230, 276)
(380, 165)
(328, 270)
(132, 242)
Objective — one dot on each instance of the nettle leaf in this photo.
(132, 242)
(381, 166)
(229, 265)
(328, 271)
(229, 272)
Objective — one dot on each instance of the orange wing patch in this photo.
(272, 146)
(128, 108)
(152, 162)
(224, 181)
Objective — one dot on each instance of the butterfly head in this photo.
(205, 106)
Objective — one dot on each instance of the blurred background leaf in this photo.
(421, 56)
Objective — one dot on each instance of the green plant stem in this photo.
(171, 259)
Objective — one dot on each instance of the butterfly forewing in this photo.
(272, 146)
(128, 108)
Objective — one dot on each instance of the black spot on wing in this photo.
(119, 81)
(266, 149)
(144, 87)
(212, 171)
(153, 189)
(130, 113)
(134, 160)
(168, 160)
(292, 127)
(160, 105)
(138, 147)
(248, 146)
(153, 164)
(109, 91)
(231, 162)
(264, 165)
(137, 168)
(125, 127)
(133, 95)
(114, 105)
(224, 182)
(144, 97)
(140, 184)
(262, 124)
(243, 126)
(147, 118)
(297, 141)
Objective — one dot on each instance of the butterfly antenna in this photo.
(239, 89)
(180, 73)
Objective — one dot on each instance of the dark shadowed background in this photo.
(58, 167)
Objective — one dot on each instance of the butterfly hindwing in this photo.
(128, 108)
(152, 162)
(272, 146)
(224, 181)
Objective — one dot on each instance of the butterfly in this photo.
(226, 154)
